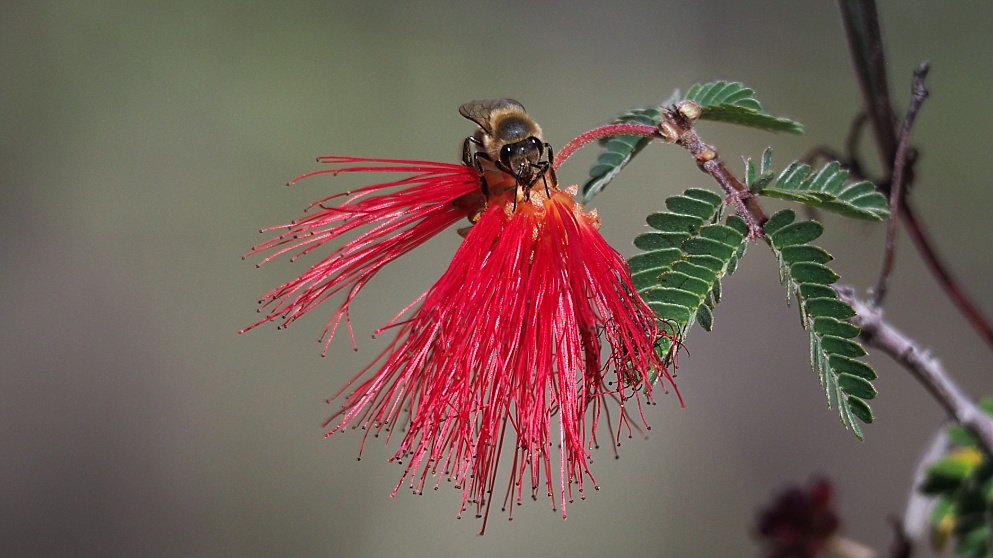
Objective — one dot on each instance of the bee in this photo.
(511, 140)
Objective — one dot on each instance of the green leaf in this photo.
(974, 542)
(956, 466)
(720, 101)
(816, 290)
(861, 410)
(812, 272)
(688, 206)
(722, 234)
(843, 364)
(834, 349)
(831, 307)
(844, 347)
(659, 241)
(678, 280)
(674, 312)
(747, 117)
(649, 261)
(778, 220)
(671, 222)
(796, 233)
(705, 317)
(673, 296)
(619, 150)
(715, 200)
(986, 404)
(825, 325)
(825, 189)
(805, 253)
(854, 385)
(734, 103)
(708, 247)
(679, 273)
(960, 435)
(693, 270)
(709, 262)
(961, 485)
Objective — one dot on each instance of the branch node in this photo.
(677, 127)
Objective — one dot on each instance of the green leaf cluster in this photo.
(834, 352)
(683, 260)
(825, 189)
(694, 246)
(734, 103)
(721, 101)
(962, 483)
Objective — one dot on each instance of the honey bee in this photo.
(511, 140)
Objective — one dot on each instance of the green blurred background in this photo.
(144, 144)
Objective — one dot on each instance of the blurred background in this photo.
(144, 144)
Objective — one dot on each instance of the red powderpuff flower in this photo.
(505, 352)
(434, 197)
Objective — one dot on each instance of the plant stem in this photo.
(918, 94)
(607, 130)
(865, 44)
(860, 20)
(677, 127)
(878, 333)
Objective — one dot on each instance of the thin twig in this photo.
(878, 333)
(861, 23)
(605, 131)
(919, 235)
(918, 94)
(850, 159)
(865, 43)
(916, 522)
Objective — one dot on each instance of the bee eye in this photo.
(535, 144)
(506, 152)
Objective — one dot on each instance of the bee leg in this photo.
(471, 159)
(550, 168)
(482, 175)
(467, 152)
(517, 179)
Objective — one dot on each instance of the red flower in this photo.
(799, 523)
(435, 196)
(506, 343)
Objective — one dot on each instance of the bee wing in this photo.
(479, 111)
